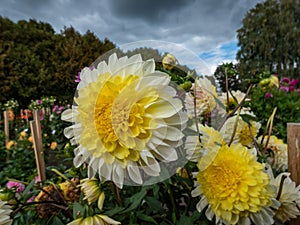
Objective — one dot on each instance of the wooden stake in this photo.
(38, 150)
(6, 126)
(293, 139)
(36, 118)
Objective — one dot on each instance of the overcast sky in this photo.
(205, 27)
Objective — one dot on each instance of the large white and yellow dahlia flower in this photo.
(127, 120)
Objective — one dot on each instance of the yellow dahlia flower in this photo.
(289, 198)
(205, 94)
(204, 152)
(235, 98)
(10, 144)
(53, 145)
(94, 220)
(22, 135)
(243, 133)
(235, 187)
(279, 158)
(127, 120)
(5, 211)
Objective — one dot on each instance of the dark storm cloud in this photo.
(199, 25)
(151, 11)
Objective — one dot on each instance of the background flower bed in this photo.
(167, 202)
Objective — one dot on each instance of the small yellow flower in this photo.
(30, 139)
(22, 135)
(53, 145)
(245, 133)
(10, 144)
(279, 156)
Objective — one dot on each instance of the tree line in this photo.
(35, 61)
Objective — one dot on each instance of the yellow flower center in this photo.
(234, 183)
(121, 122)
(244, 134)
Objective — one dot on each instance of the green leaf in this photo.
(146, 218)
(114, 211)
(78, 209)
(153, 203)
(57, 221)
(135, 200)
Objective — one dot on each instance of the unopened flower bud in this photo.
(169, 61)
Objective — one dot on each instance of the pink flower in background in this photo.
(291, 88)
(287, 84)
(268, 95)
(19, 187)
(39, 102)
(31, 199)
(284, 88)
(58, 109)
(294, 82)
(55, 108)
(37, 179)
(77, 78)
(285, 80)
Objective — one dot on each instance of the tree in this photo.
(269, 39)
(36, 62)
(234, 80)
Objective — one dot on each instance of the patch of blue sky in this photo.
(208, 55)
(229, 49)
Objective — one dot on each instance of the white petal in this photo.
(91, 172)
(134, 172)
(202, 204)
(80, 156)
(118, 175)
(156, 79)
(167, 153)
(69, 115)
(150, 166)
(149, 66)
(106, 171)
(164, 109)
(195, 192)
(102, 67)
(72, 131)
(177, 119)
(169, 133)
(109, 220)
(112, 61)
